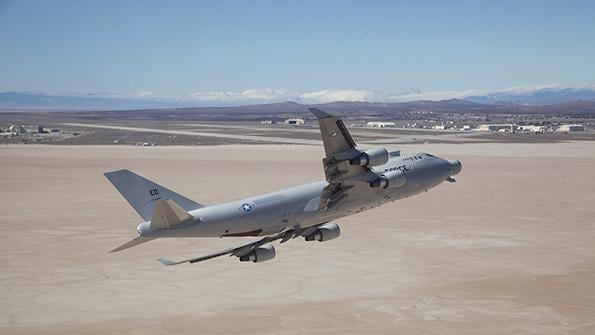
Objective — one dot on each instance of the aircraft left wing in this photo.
(238, 251)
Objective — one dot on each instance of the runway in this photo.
(269, 139)
(507, 249)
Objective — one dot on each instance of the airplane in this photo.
(356, 181)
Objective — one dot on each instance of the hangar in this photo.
(571, 127)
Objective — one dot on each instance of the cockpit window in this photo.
(430, 155)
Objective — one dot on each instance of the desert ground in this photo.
(507, 249)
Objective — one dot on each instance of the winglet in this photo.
(318, 113)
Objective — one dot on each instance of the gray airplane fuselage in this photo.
(299, 206)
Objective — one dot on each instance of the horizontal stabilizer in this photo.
(132, 243)
(168, 214)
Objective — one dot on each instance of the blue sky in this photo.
(223, 49)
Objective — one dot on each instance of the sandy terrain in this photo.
(508, 249)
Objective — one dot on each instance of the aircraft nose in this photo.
(455, 167)
(144, 228)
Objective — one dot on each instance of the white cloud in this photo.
(322, 96)
(265, 94)
(527, 89)
(258, 94)
(336, 95)
(276, 95)
(144, 94)
(269, 95)
(421, 95)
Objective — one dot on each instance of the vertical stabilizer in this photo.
(142, 194)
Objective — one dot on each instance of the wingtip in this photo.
(120, 248)
(166, 261)
(318, 113)
(109, 173)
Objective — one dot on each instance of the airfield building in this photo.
(497, 127)
(571, 128)
(532, 129)
(15, 129)
(378, 124)
(295, 122)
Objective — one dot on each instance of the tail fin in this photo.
(142, 193)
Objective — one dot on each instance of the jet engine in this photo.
(455, 167)
(325, 232)
(394, 178)
(259, 254)
(144, 229)
(372, 157)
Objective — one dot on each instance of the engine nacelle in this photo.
(259, 254)
(372, 157)
(144, 229)
(455, 167)
(325, 232)
(391, 179)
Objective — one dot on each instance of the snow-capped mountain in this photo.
(537, 96)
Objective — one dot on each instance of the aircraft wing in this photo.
(339, 148)
(238, 251)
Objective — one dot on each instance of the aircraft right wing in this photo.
(340, 149)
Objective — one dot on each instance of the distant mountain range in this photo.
(513, 100)
(543, 96)
(353, 110)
